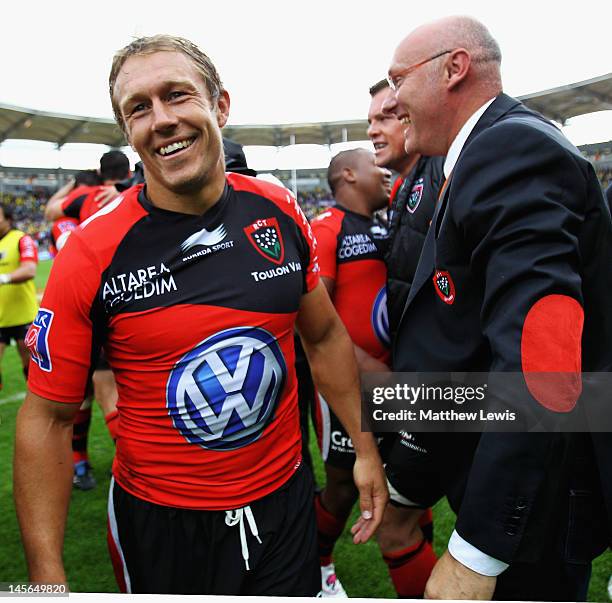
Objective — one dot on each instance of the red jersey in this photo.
(350, 252)
(80, 203)
(61, 229)
(196, 316)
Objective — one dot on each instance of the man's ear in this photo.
(348, 175)
(457, 67)
(222, 108)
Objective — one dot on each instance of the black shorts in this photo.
(17, 333)
(334, 443)
(159, 549)
(415, 468)
(102, 362)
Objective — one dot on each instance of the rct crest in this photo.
(265, 236)
(223, 393)
(415, 196)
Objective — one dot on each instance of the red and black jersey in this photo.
(196, 315)
(60, 230)
(80, 203)
(350, 250)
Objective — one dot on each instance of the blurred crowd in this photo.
(30, 204)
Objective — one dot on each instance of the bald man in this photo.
(514, 277)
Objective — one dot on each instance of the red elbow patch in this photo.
(551, 352)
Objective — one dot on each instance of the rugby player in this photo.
(194, 296)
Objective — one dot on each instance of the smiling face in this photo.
(172, 123)
(419, 101)
(373, 181)
(386, 133)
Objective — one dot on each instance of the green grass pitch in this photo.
(360, 568)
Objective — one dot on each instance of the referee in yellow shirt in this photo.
(18, 305)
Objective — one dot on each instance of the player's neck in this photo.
(196, 203)
(357, 205)
(411, 161)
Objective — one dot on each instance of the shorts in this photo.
(102, 362)
(422, 468)
(17, 333)
(334, 442)
(158, 549)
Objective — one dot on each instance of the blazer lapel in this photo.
(499, 107)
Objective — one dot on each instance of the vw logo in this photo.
(380, 318)
(222, 394)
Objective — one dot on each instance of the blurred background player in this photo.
(76, 202)
(350, 249)
(63, 226)
(80, 201)
(18, 305)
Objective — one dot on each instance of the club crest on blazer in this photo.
(444, 286)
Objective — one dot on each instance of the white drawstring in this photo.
(237, 516)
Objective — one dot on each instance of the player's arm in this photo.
(25, 272)
(42, 483)
(365, 362)
(331, 357)
(54, 210)
(28, 259)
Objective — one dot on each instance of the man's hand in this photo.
(451, 579)
(107, 194)
(370, 479)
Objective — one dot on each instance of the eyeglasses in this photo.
(396, 81)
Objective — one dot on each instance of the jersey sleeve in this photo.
(72, 204)
(28, 250)
(60, 339)
(312, 270)
(325, 230)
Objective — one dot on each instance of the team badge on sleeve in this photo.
(416, 194)
(444, 286)
(265, 236)
(36, 339)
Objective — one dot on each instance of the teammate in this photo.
(352, 269)
(84, 200)
(406, 534)
(412, 202)
(193, 284)
(18, 305)
(89, 192)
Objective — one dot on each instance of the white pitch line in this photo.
(13, 398)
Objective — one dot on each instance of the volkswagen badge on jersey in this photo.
(265, 236)
(380, 318)
(36, 339)
(222, 394)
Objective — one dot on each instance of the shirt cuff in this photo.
(471, 557)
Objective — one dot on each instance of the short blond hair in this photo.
(164, 43)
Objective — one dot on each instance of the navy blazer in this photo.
(519, 253)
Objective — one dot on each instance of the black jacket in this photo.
(411, 210)
(519, 253)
